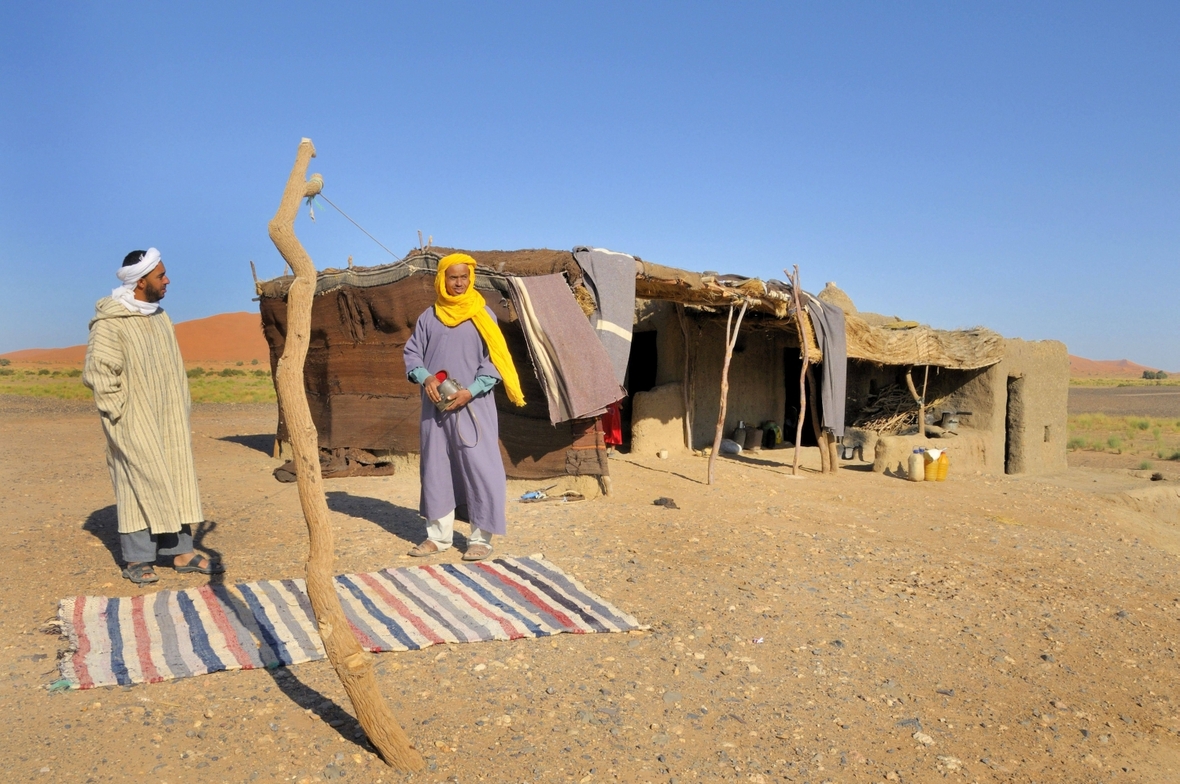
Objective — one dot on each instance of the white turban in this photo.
(130, 275)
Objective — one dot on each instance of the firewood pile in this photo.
(891, 411)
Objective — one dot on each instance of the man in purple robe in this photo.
(461, 469)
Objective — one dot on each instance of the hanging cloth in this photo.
(453, 311)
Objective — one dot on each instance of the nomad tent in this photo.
(1007, 396)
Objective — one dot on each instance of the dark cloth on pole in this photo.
(828, 321)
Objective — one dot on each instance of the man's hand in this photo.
(431, 383)
(460, 399)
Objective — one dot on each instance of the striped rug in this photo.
(174, 634)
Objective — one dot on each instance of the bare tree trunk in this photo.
(730, 341)
(353, 665)
(794, 278)
(820, 440)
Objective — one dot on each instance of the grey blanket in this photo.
(572, 366)
(828, 321)
(610, 277)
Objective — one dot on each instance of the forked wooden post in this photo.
(794, 278)
(730, 342)
(353, 665)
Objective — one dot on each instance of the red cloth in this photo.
(612, 425)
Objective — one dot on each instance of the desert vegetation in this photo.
(212, 385)
(1151, 437)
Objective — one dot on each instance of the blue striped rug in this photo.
(174, 634)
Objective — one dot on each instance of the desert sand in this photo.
(855, 628)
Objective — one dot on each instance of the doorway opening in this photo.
(642, 365)
(1013, 427)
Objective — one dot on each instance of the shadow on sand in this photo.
(263, 442)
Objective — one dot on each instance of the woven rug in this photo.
(175, 634)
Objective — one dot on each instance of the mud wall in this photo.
(1020, 405)
(757, 385)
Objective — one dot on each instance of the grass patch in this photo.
(1139, 436)
(237, 387)
(1125, 382)
(1145, 465)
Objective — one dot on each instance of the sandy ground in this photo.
(855, 628)
(1161, 401)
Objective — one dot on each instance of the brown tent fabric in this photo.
(356, 377)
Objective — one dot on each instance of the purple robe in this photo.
(460, 462)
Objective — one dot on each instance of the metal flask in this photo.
(447, 390)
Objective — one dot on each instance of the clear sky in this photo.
(1015, 165)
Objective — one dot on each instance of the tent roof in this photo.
(910, 345)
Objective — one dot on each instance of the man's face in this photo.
(152, 286)
(458, 279)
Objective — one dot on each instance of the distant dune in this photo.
(227, 337)
(1080, 367)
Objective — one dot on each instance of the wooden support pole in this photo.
(353, 665)
(919, 399)
(730, 341)
(794, 278)
(686, 384)
(820, 439)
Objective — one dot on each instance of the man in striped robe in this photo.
(134, 367)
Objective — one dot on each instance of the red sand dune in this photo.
(227, 337)
(1080, 367)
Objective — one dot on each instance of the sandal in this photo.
(477, 552)
(429, 547)
(141, 573)
(194, 565)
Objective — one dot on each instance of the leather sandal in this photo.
(141, 573)
(429, 547)
(477, 552)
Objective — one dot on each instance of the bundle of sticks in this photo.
(891, 411)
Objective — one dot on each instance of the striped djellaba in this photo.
(134, 367)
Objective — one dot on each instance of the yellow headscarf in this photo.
(453, 311)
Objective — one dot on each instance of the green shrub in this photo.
(1114, 442)
(5, 362)
(254, 362)
(1175, 455)
(1145, 465)
(227, 372)
(196, 372)
(260, 373)
(43, 372)
(6, 371)
(240, 364)
(1141, 424)
(1076, 443)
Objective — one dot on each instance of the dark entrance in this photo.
(792, 367)
(1013, 426)
(641, 375)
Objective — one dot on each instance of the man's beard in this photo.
(152, 294)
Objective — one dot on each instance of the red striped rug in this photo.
(175, 634)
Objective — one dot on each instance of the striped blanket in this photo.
(175, 634)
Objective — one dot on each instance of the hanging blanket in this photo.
(828, 322)
(174, 634)
(610, 276)
(572, 366)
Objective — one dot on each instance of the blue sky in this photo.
(1010, 165)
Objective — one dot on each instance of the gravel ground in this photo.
(854, 628)
(1126, 401)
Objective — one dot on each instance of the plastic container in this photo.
(917, 471)
(931, 460)
(753, 439)
(944, 466)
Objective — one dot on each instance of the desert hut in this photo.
(999, 403)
